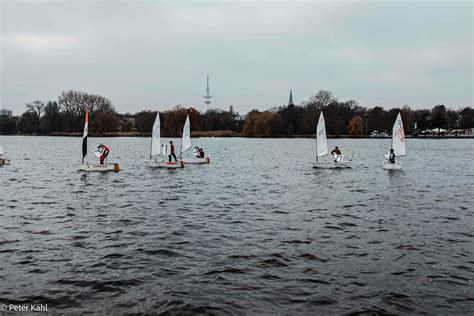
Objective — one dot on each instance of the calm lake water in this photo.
(257, 231)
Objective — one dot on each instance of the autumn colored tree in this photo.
(105, 122)
(342, 117)
(261, 124)
(144, 121)
(356, 126)
(195, 119)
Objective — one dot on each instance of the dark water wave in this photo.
(256, 232)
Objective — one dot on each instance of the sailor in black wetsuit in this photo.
(391, 157)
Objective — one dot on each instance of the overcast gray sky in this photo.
(155, 54)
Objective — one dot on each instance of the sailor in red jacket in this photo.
(105, 152)
(172, 152)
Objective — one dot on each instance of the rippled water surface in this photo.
(258, 231)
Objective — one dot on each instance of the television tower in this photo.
(207, 96)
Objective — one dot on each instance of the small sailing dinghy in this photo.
(155, 148)
(322, 149)
(186, 145)
(94, 167)
(397, 144)
(3, 160)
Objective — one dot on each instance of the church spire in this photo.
(290, 102)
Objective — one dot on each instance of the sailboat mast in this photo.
(316, 146)
(151, 144)
(84, 136)
(391, 139)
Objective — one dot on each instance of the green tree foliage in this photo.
(8, 125)
(52, 118)
(439, 118)
(466, 118)
(28, 123)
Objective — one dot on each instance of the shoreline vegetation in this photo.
(231, 134)
(65, 117)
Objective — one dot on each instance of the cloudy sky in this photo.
(155, 54)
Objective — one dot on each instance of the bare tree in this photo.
(322, 99)
(75, 104)
(36, 108)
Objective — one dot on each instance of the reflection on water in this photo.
(256, 231)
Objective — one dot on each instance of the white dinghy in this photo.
(3, 160)
(186, 145)
(94, 167)
(336, 161)
(156, 160)
(398, 145)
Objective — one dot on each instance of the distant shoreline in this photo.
(222, 134)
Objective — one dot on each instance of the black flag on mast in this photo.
(84, 137)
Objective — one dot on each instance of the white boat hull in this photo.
(196, 160)
(4, 162)
(332, 164)
(100, 168)
(164, 164)
(392, 166)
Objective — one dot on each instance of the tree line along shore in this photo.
(231, 134)
(65, 117)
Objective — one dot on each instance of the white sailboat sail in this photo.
(398, 137)
(1, 151)
(155, 137)
(158, 149)
(321, 139)
(186, 142)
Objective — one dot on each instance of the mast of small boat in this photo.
(84, 137)
(391, 143)
(151, 144)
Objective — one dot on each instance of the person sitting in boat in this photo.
(336, 152)
(105, 152)
(172, 154)
(198, 152)
(201, 152)
(391, 157)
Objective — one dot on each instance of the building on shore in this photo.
(6, 112)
